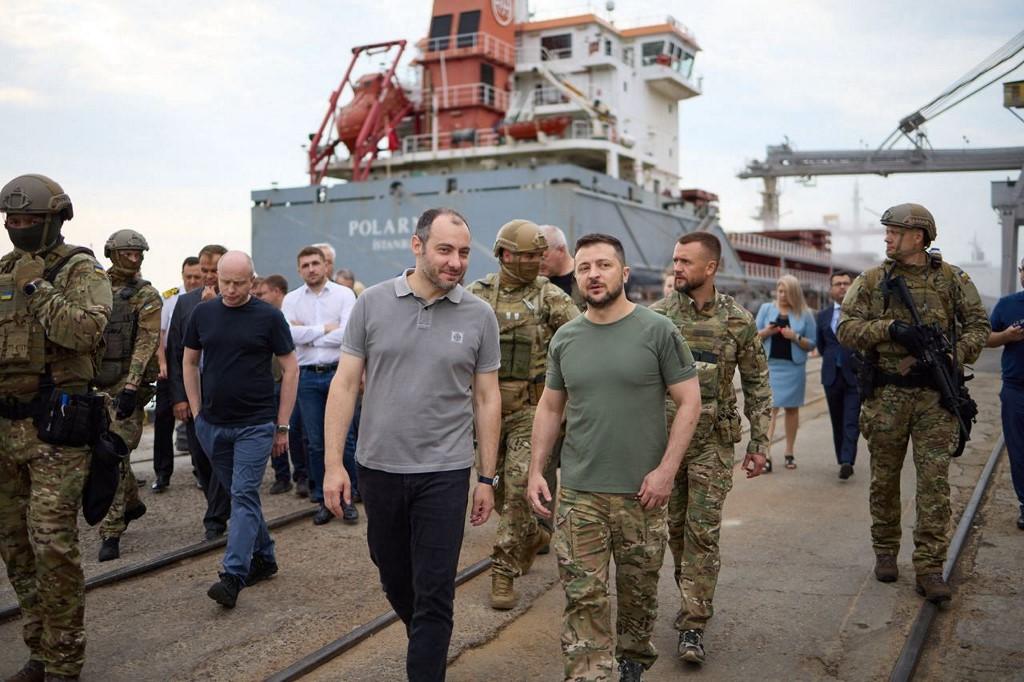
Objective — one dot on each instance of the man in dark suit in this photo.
(218, 501)
(839, 377)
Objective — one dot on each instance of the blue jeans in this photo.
(1012, 398)
(415, 524)
(239, 456)
(313, 389)
(299, 470)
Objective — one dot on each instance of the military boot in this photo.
(691, 646)
(886, 570)
(134, 512)
(503, 597)
(630, 671)
(33, 671)
(110, 549)
(541, 541)
(932, 587)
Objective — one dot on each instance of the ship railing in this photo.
(778, 247)
(548, 94)
(466, 44)
(465, 95)
(483, 137)
(532, 55)
(763, 271)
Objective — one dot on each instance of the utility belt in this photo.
(912, 380)
(61, 417)
(704, 356)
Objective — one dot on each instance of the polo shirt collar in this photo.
(402, 288)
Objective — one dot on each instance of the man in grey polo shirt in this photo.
(431, 354)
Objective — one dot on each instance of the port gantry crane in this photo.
(1007, 196)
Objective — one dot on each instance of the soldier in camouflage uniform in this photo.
(54, 303)
(130, 366)
(530, 310)
(904, 404)
(723, 338)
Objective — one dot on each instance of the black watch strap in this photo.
(488, 481)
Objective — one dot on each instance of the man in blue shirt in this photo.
(1008, 330)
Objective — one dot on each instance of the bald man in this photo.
(238, 419)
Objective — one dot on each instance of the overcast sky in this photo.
(163, 116)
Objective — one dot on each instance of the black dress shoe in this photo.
(845, 470)
(161, 484)
(302, 487)
(213, 533)
(281, 485)
(349, 513)
(225, 591)
(322, 516)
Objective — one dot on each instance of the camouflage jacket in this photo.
(145, 303)
(528, 316)
(936, 287)
(60, 326)
(722, 337)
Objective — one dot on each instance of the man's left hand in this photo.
(126, 402)
(656, 488)
(483, 503)
(754, 463)
(280, 444)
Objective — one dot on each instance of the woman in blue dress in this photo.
(787, 329)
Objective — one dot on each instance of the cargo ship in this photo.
(570, 121)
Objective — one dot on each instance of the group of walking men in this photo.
(635, 405)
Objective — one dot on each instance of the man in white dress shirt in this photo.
(318, 312)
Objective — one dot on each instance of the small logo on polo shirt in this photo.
(456, 337)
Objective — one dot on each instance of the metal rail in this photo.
(163, 560)
(906, 664)
(339, 646)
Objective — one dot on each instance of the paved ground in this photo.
(795, 601)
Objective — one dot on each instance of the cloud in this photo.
(19, 96)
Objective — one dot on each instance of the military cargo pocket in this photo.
(586, 536)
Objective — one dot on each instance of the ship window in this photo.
(685, 65)
(440, 30)
(487, 84)
(608, 47)
(469, 24)
(627, 55)
(556, 47)
(651, 52)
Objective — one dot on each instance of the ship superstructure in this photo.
(572, 121)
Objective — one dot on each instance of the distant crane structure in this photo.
(1007, 196)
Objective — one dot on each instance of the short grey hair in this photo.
(555, 237)
(328, 250)
(345, 273)
(427, 218)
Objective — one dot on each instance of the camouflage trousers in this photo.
(40, 494)
(888, 420)
(127, 495)
(590, 530)
(694, 525)
(517, 525)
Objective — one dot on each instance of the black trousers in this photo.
(218, 499)
(163, 432)
(415, 524)
(844, 410)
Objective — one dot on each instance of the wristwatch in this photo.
(32, 286)
(493, 482)
(283, 428)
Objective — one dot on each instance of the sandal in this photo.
(790, 464)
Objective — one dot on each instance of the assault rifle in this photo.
(945, 374)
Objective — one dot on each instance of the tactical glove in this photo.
(28, 268)
(909, 336)
(125, 403)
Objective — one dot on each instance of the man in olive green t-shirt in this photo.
(609, 369)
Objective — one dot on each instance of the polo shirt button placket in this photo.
(424, 317)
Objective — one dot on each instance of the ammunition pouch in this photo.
(516, 354)
(72, 420)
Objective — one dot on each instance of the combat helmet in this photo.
(38, 195)
(910, 216)
(519, 236)
(124, 240)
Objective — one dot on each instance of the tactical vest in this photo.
(523, 335)
(934, 291)
(119, 336)
(26, 354)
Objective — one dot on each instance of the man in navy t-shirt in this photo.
(1008, 330)
(238, 419)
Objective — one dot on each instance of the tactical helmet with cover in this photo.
(124, 240)
(911, 216)
(519, 236)
(36, 195)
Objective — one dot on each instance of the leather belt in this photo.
(319, 369)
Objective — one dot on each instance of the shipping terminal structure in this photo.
(570, 121)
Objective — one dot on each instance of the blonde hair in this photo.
(794, 294)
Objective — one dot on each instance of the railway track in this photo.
(167, 559)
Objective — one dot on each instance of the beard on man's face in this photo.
(611, 295)
(433, 275)
(690, 284)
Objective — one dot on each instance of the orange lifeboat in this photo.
(353, 115)
(528, 130)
